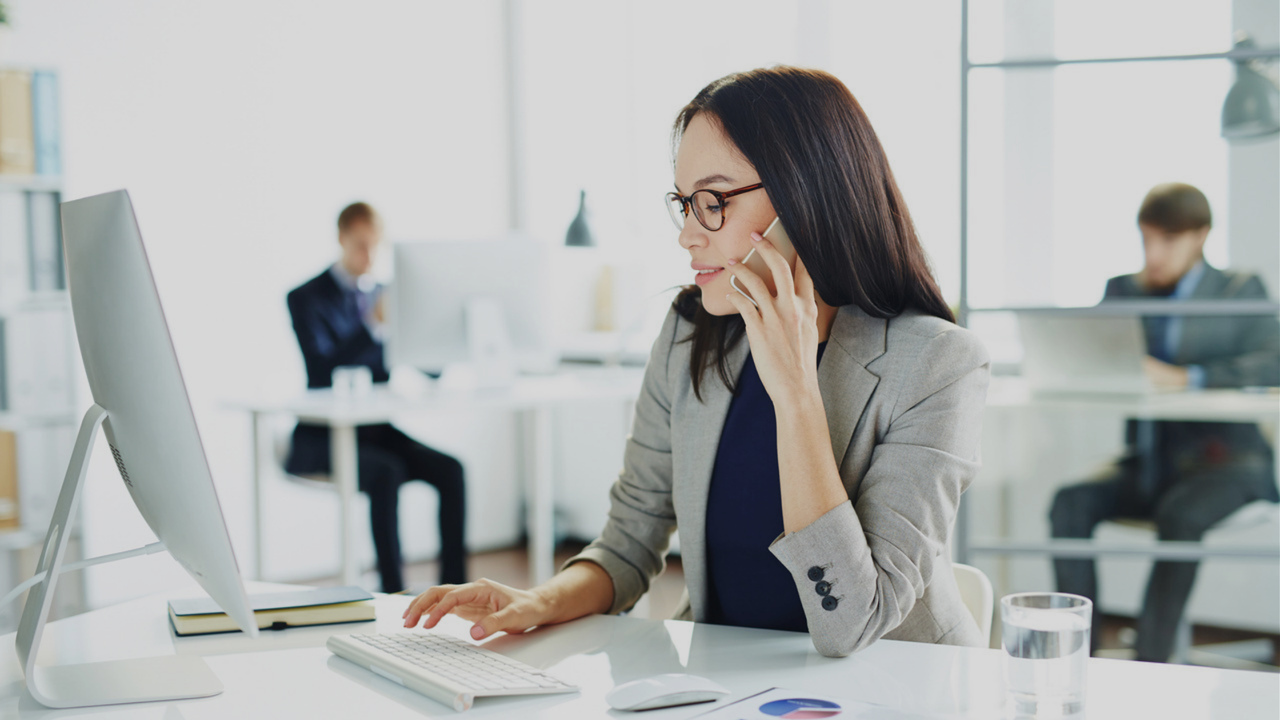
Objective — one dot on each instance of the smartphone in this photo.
(777, 235)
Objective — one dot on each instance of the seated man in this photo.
(1186, 476)
(337, 317)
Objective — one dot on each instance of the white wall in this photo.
(240, 129)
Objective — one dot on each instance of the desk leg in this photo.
(259, 551)
(539, 493)
(344, 464)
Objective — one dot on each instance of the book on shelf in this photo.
(47, 272)
(17, 137)
(45, 122)
(15, 265)
(276, 611)
(9, 518)
(36, 366)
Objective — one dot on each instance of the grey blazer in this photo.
(903, 399)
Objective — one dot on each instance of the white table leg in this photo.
(539, 493)
(259, 551)
(344, 466)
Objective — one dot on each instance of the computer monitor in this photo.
(141, 403)
(479, 302)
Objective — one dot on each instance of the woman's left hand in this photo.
(783, 330)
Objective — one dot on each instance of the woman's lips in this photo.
(702, 278)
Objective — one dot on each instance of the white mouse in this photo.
(662, 691)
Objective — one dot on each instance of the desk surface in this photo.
(1222, 405)
(525, 392)
(290, 674)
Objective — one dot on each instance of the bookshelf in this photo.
(39, 361)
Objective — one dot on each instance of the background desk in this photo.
(533, 398)
(290, 674)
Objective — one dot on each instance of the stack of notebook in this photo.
(275, 611)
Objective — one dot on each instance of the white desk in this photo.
(1013, 395)
(532, 397)
(290, 674)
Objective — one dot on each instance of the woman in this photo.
(851, 382)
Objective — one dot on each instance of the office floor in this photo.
(511, 567)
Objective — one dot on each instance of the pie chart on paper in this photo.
(801, 709)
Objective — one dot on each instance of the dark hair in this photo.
(830, 183)
(354, 213)
(1175, 208)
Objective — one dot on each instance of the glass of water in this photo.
(351, 382)
(1046, 652)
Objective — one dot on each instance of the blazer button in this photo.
(829, 603)
(823, 588)
(815, 573)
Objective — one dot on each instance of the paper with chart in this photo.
(781, 704)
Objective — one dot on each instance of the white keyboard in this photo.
(445, 668)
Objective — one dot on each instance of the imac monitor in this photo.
(463, 302)
(141, 404)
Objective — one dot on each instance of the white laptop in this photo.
(1070, 353)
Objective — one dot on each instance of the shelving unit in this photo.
(38, 361)
(992, 536)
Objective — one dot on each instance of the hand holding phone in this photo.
(777, 235)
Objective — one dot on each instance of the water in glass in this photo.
(1046, 654)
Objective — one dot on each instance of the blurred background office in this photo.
(241, 129)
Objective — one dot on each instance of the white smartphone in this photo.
(777, 235)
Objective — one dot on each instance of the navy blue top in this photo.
(749, 587)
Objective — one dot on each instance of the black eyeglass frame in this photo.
(686, 202)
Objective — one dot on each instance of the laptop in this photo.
(1071, 353)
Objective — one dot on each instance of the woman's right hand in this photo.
(492, 606)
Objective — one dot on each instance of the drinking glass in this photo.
(1046, 652)
(351, 382)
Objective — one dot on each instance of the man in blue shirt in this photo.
(1186, 476)
(337, 317)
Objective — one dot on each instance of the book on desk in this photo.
(275, 611)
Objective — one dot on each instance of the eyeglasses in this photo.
(708, 206)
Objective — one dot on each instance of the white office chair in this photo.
(975, 590)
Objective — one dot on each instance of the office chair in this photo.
(975, 590)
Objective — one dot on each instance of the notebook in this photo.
(275, 611)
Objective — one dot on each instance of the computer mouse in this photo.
(662, 691)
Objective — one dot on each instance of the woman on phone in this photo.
(812, 442)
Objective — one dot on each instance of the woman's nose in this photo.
(693, 235)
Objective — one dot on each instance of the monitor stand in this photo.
(168, 677)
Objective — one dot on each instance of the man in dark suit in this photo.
(337, 317)
(1186, 476)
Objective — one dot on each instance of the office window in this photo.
(1061, 158)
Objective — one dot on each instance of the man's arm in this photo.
(322, 351)
(1257, 361)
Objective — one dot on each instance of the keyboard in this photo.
(445, 668)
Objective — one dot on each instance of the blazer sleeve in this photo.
(632, 548)
(1257, 361)
(321, 350)
(879, 551)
